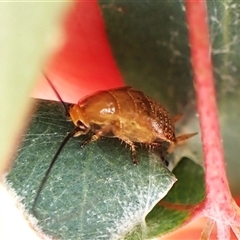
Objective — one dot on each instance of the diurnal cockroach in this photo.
(125, 113)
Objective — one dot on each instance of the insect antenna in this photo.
(57, 94)
(44, 180)
(65, 140)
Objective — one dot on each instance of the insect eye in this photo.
(81, 125)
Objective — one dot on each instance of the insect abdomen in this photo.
(147, 114)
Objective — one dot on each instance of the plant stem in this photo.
(206, 102)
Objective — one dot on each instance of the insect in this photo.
(125, 113)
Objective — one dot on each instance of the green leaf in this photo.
(149, 40)
(27, 31)
(94, 192)
(179, 203)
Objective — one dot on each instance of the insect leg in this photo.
(134, 154)
(162, 156)
(117, 131)
(133, 151)
(161, 150)
(89, 140)
(97, 135)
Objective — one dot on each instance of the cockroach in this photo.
(127, 114)
(124, 113)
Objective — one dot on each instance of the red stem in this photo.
(216, 180)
